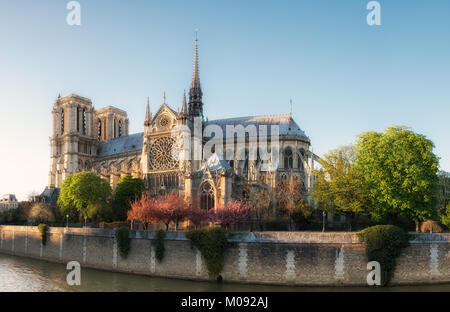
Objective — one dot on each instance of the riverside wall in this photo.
(278, 258)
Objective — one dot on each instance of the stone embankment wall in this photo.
(284, 258)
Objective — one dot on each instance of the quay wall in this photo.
(278, 258)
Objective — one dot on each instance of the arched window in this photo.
(300, 158)
(207, 196)
(78, 119)
(288, 159)
(84, 121)
(120, 128)
(299, 162)
(114, 128)
(99, 129)
(62, 121)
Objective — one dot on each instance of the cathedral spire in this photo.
(195, 93)
(195, 73)
(148, 114)
(183, 106)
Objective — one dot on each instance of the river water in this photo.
(22, 274)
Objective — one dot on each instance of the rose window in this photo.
(164, 122)
(161, 152)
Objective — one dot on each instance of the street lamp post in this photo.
(67, 221)
(323, 220)
(85, 221)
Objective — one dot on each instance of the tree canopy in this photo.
(85, 194)
(128, 189)
(338, 187)
(399, 171)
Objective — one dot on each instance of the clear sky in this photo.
(343, 76)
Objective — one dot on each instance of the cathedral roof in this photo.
(287, 125)
(126, 144)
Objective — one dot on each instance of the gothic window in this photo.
(161, 154)
(288, 159)
(99, 129)
(84, 121)
(78, 119)
(163, 183)
(207, 196)
(114, 128)
(300, 162)
(62, 121)
(120, 128)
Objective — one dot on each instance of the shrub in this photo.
(212, 244)
(43, 229)
(430, 226)
(384, 243)
(9, 216)
(445, 216)
(158, 243)
(123, 241)
(302, 213)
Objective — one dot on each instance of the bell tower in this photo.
(73, 141)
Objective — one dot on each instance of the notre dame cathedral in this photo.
(85, 139)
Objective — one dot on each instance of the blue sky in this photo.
(343, 76)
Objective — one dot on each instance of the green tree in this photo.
(128, 189)
(399, 170)
(85, 194)
(443, 197)
(445, 216)
(338, 187)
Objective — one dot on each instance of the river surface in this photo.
(19, 274)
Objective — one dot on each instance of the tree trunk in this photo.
(417, 226)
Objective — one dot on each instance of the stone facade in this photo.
(86, 139)
(278, 258)
(8, 202)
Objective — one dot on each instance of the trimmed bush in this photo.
(43, 229)
(384, 243)
(123, 241)
(158, 243)
(212, 243)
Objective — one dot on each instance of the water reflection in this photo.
(22, 274)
